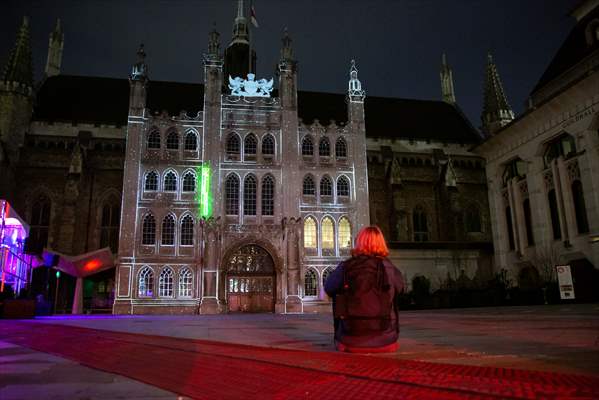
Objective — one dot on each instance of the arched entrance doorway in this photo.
(250, 280)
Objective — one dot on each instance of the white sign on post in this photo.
(564, 279)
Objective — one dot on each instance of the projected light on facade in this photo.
(14, 266)
(204, 198)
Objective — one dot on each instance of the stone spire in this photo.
(286, 49)
(55, 46)
(139, 72)
(240, 26)
(355, 92)
(496, 110)
(19, 66)
(213, 44)
(446, 81)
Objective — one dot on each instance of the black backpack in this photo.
(364, 304)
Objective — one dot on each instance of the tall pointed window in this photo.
(344, 233)
(310, 233)
(268, 145)
(187, 231)
(170, 182)
(232, 195)
(343, 186)
(154, 139)
(172, 140)
(472, 219)
(249, 195)
(325, 275)
(307, 146)
(582, 222)
(168, 230)
(420, 224)
(268, 195)
(324, 147)
(233, 147)
(250, 147)
(340, 149)
(146, 282)
(109, 226)
(151, 183)
(165, 283)
(189, 182)
(310, 283)
(309, 189)
(554, 213)
(510, 227)
(191, 141)
(148, 234)
(528, 222)
(40, 223)
(564, 146)
(185, 283)
(326, 187)
(328, 233)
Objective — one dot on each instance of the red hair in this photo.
(370, 242)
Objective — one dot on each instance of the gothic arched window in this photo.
(154, 139)
(324, 147)
(189, 182)
(109, 226)
(233, 147)
(340, 149)
(564, 146)
(170, 182)
(187, 231)
(146, 282)
(148, 231)
(472, 219)
(326, 187)
(554, 213)
(328, 233)
(528, 222)
(151, 183)
(582, 222)
(172, 140)
(343, 187)
(185, 283)
(168, 230)
(268, 145)
(232, 195)
(307, 146)
(344, 238)
(325, 275)
(309, 189)
(165, 283)
(268, 195)
(310, 283)
(420, 224)
(250, 146)
(310, 233)
(249, 195)
(191, 141)
(510, 227)
(39, 224)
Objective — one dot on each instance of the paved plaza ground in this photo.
(563, 339)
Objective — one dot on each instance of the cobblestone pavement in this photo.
(548, 338)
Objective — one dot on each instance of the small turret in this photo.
(55, 47)
(240, 58)
(286, 49)
(446, 75)
(496, 109)
(137, 82)
(355, 92)
(213, 44)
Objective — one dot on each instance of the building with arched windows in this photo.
(543, 166)
(213, 199)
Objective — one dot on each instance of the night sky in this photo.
(397, 44)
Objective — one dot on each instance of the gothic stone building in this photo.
(543, 167)
(215, 202)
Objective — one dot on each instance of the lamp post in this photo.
(56, 293)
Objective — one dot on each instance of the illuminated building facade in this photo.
(15, 265)
(543, 166)
(215, 201)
